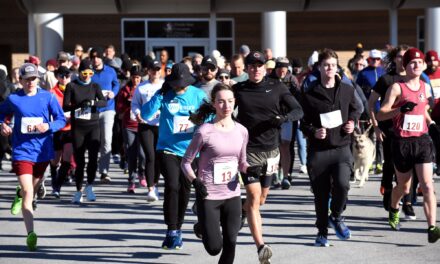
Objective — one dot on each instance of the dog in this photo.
(364, 153)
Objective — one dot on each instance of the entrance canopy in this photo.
(207, 6)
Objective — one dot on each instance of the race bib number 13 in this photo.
(225, 172)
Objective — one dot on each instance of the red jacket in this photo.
(60, 97)
(123, 106)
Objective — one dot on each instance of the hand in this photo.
(139, 118)
(110, 95)
(278, 120)
(408, 106)
(348, 127)
(43, 127)
(87, 103)
(165, 88)
(254, 171)
(321, 133)
(379, 134)
(5, 130)
(201, 191)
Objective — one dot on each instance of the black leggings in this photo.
(86, 138)
(148, 136)
(177, 190)
(211, 215)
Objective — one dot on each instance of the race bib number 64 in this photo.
(29, 125)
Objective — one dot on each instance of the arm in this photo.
(59, 120)
(386, 111)
(371, 108)
(67, 101)
(295, 110)
(360, 94)
(242, 163)
(136, 103)
(122, 104)
(115, 85)
(102, 102)
(191, 152)
(151, 107)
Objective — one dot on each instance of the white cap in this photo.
(374, 53)
(313, 59)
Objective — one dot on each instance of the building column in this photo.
(46, 35)
(212, 28)
(274, 32)
(394, 26)
(432, 34)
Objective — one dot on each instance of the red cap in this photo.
(412, 54)
(34, 60)
(431, 56)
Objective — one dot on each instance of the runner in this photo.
(330, 109)
(32, 147)
(175, 100)
(82, 97)
(406, 103)
(261, 103)
(222, 147)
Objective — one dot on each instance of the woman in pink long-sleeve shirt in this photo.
(222, 147)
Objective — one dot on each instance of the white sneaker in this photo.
(77, 197)
(152, 197)
(303, 169)
(90, 195)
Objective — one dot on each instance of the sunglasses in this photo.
(64, 76)
(223, 77)
(210, 68)
(87, 73)
(377, 59)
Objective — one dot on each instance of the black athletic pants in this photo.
(148, 136)
(86, 137)
(213, 214)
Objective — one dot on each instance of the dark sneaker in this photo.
(264, 254)
(197, 230)
(17, 203)
(31, 241)
(41, 192)
(321, 241)
(408, 210)
(276, 185)
(105, 178)
(433, 234)
(172, 240)
(341, 230)
(285, 184)
(394, 220)
(34, 204)
(179, 244)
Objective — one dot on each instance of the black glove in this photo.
(254, 171)
(165, 88)
(278, 120)
(434, 132)
(200, 188)
(86, 103)
(408, 106)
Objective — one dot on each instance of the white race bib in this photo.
(105, 93)
(413, 123)
(225, 172)
(272, 165)
(182, 125)
(331, 119)
(436, 91)
(29, 125)
(83, 113)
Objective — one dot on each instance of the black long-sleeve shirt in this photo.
(258, 104)
(76, 93)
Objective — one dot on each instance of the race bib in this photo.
(67, 114)
(436, 91)
(413, 123)
(105, 93)
(182, 125)
(225, 172)
(83, 113)
(272, 165)
(132, 116)
(331, 119)
(29, 125)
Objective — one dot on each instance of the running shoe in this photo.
(31, 241)
(341, 230)
(321, 241)
(17, 203)
(131, 187)
(433, 234)
(34, 204)
(264, 254)
(152, 197)
(408, 210)
(142, 181)
(379, 169)
(303, 169)
(56, 192)
(172, 240)
(116, 159)
(197, 230)
(41, 192)
(77, 197)
(90, 195)
(285, 184)
(394, 219)
(156, 191)
(105, 178)
(180, 239)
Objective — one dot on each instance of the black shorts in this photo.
(261, 159)
(60, 138)
(410, 151)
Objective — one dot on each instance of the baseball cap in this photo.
(296, 63)
(62, 70)
(155, 65)
(270, 64)
(223, 72)
(374, 53)
(63, 56)
(208, 60)
(28, 70)
(412, 54)
(180, 76)
(34, 60)
(97, 52)
(135, 70)
(281, 62)
(431, 55)
(254, 57)
(51, 62)
(85, 64)
(169, 65)
(244, 49)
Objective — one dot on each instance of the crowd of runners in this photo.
(228, 128)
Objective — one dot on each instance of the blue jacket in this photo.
(43, 105)
(107, 79)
